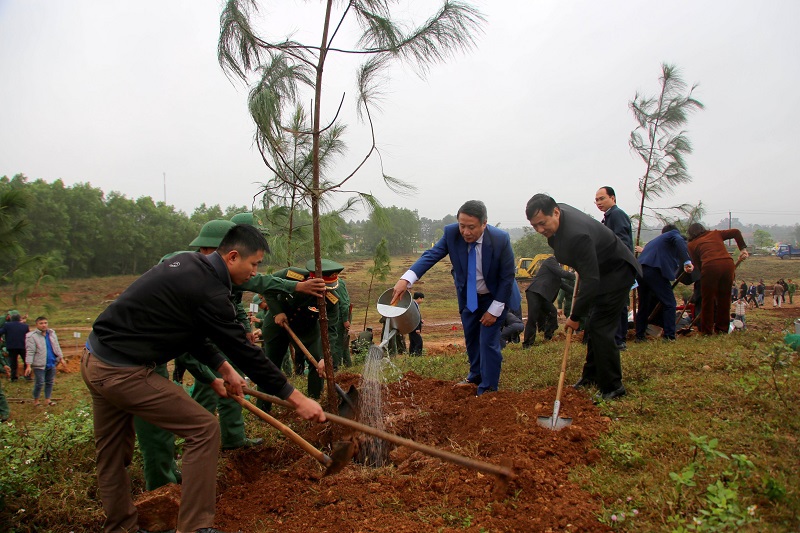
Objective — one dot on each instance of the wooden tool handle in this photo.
(563, 373)
(400, 441)
(300, 344)
(283, 428)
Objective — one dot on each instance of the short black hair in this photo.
(38, 318)
(418, 295)
(15, 317)
(474, 208)
(245, 239)
(540, 202)
(668, 227)
(695, 230)
(609, 191)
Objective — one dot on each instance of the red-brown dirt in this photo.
(280, 488)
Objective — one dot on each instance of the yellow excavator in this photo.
(527, 266)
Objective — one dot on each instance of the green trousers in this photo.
(158, 449)
(276, 349)
(340, 348)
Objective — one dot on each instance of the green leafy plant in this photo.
(33, 465)
(777, 367)
(720, 507)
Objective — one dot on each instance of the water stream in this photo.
(374, 451)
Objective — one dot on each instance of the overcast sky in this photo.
(120, 93)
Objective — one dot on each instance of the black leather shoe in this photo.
(584, 382)
(622, 346)
(613, 395)
(211, 530)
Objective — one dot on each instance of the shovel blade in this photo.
(349, 402)
(340, 457)
(548, 422)
(654, 331)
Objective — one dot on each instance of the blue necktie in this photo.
(472, 285)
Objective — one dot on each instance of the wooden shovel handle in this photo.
(283, 428)
(300, 344)
(400, 441)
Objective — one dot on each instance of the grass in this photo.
(707, 439)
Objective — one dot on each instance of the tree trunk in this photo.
(315, 194)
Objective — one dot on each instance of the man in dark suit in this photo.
(617, 221)
(606, 269)
(540, 294)
(483, 272)
(660, 260)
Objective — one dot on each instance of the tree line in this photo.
(51, 230)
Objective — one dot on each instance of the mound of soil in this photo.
(280, 488)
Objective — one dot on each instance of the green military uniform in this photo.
(338, 335)
(303, 315)
(340, 351)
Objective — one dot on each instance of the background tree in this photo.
(204, 213)
(381, 268)
(763, 239)
(689, 215)
(531, 244)
(12, 221)
(401, 232)
(287, 67)
(91, 234)
(659, 139)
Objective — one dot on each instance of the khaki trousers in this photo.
(119, 394)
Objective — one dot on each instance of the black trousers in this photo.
(603, 364)
(13, 353)
(542, 315)
(415, 343)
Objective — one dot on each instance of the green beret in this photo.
(256, 299)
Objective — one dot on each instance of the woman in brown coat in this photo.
(708, 252)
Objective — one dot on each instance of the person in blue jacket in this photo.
(483, 273)
(660, 260)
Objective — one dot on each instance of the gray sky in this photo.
(119, 93)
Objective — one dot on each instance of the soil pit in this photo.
(279, 488)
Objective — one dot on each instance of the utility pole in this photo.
(165, 188)
(729, 227)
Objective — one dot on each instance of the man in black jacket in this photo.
(541, 292)
(177, 306)
(617, 221)
(606, 269)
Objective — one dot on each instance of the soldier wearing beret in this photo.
(338, 330)
(301, 313)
